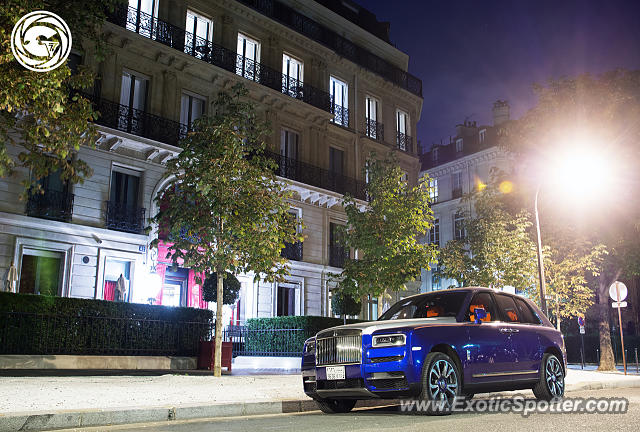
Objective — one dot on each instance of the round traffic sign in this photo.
(622, 291)
(581, 321)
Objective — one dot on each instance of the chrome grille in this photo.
(339, 350)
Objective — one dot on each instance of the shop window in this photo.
(41, 272)
(117, 280)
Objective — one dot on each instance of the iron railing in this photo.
(24, 333)
(292, 251)
(51, 204)
(340, 115)
(404, 142)
(338, 255)
(341, 45)
(374, 129)
(271, 342)
(175, 37)
(122, 217)
(293, 169)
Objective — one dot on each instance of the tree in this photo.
(343, 304)
(602, 110)
(37, 113)
(226, 211)
(231, 286)
(385, 234)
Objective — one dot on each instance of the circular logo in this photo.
(41, 41)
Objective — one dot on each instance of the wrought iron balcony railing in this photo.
(121, 217)
(338, 255)
(319, 33)
(175, 37)
(340, 115)
(404, 142)
(374, 129)
(53, 205)
(302, 172)
(292, 251)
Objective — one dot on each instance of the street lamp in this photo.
(543, 299)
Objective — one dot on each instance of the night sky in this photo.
(471, 53)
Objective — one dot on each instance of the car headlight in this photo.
(389, 340)
(309, 347)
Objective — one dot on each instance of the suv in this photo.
(437, 346)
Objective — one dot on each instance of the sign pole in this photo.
(582, 349)
(624, 360)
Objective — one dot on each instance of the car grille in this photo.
(389, 383)
(341, 349)
(386, 359)
(341, 384)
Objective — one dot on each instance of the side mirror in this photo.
(480, 314)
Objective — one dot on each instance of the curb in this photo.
(43, 421)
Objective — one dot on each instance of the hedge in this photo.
(263, 335)
(38, 325)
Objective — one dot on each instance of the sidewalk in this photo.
(41, 403)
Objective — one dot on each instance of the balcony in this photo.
(52, 205)
(340, 115)
(374, 129)
(292, 251)
(121, 217)
(404, 142)
(341, 45)
(302, 172)
(337, 256)
(175, 37)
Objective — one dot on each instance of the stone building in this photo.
(324, 73)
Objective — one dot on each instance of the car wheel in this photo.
(551, 382)
(336, 406)
(440, 383)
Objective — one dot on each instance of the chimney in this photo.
(500, 112)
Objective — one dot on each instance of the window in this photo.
(434, 154)
(175, 287)
(433, 190)
(56, 201)
(434, 233)
(372, 127)
(123, 210)
(199, 34)
(436, 283)
(291, 75)
(459, 232)
(289, 144)
(191, 108)
(482, 300)
(336, 160)
(293, 251)
(124, 187)
(339, 101)
(141, 22)
(482, 135)
(117, 280)
(41, 272)
(508, 308)
(248, 57)
(337, 252)
(287, 299)
(447, 303)
(374, 308)
(456, 184)
(459, 143)
(402, 129)
(133, 91)
(524, 311)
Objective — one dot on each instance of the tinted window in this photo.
(441, 304)
(482, 300)
(526, 314)
(508, 307)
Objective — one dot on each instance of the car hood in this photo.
(372, 326)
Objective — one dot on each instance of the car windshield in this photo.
(441, 304)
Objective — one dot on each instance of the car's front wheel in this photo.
(440, 383)
(551, 382)
(336, 406)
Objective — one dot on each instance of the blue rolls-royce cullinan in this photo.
(437, 346)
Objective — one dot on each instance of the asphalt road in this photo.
(392, 419)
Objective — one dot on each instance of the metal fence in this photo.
(269, 342)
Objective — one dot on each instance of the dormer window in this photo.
(459, 144)
(482, 135)
(434, 154)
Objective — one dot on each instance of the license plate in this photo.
(335, 372)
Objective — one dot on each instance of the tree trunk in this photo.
(217, 361)
(607, 361)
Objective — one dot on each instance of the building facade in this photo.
(455, 169)
(323, 73)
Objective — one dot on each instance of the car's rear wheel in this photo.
(440, 383)
(336, 406)
(551, 382)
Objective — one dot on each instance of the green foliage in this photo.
(344, 304)
(231, 288)
(36, 113)
(61, 325)
(386, 233)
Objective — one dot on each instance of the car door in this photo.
(485, 349)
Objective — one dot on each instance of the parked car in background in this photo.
(437, 346)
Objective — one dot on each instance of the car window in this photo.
(526, 314)
(440, 304)
(482, 300)
(508, 307)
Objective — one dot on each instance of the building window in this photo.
(248, 57)
(289, 144)
(140, 22)
(456, 185)
(199, 34)
(481, 135)
(403, 140)
(434, 154)
(336, 160)
(41, 272)
(434, 233)
(175, 287)
(339, 101)
(337, 252)
(191, 108)
(56, 201)
(133, 98)
(287, 299)
(436, 283)
(459, 144)
(117, 280)
(292, 75)
(372, 126)
(123, 211)
(433, 190)
(459, 232)
(293, 251)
